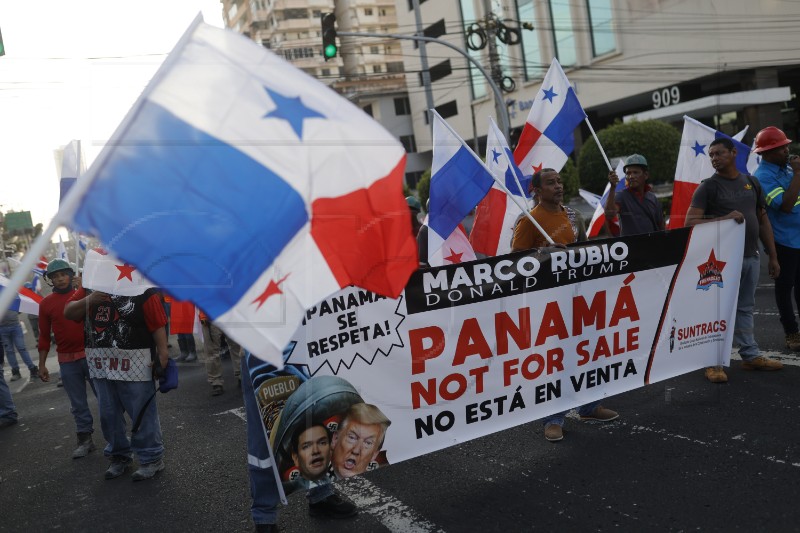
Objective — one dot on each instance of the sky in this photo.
(72, 70)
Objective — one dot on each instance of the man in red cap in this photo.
(779, 175)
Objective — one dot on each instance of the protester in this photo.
(125, 338)
(358, 439)
(8, 411)
(70, 346)
(13, 339)
(779, 176)
(638, 208)
(729, 194)
(212, 339)
(564, 226)
(323, 501)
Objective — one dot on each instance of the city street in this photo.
(684, 455)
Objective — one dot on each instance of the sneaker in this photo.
(715, 374)
(85, 445)
(793, 342)
(34, 370)
(148, 471)
(334, 506)
(117, 467)
(761, 363)
(182, 357)
(216, 390)
(553, 432)
(191, 358)
(7, 422)
(601, 414)
(15, 375)
(60, 383)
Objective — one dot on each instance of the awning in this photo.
(714, 105)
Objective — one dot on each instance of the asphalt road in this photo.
(685, 455)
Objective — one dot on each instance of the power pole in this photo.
(494, 58)
(423, 58)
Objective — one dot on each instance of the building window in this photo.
(316, 13)
(382, 12)
(600, 23)
(409, 144)
(395, 66)
(368, 11)
(563, 35)
(437, 29)
(531, 52)
(295, 13)
(448, 109)
(439, 71)
(377, 69)
(368, 109)
(374, 50)
(402, 106)
(326, 72)
(266, 44)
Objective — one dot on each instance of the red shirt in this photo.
(68, 333)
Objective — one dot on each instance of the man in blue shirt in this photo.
(779, 175)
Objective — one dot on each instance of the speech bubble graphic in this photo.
(349, 325)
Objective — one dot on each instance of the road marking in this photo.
(238, 411)
(393, 514)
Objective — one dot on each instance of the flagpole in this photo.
(600, 146)
(497, 181)
(78, 191)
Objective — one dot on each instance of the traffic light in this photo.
(2, 48)
(329, 47)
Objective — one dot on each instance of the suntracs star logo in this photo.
(711, 273)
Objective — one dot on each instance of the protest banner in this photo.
(479, 347)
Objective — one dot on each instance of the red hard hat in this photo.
(769, 138)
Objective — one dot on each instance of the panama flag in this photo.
(243, 185)
(694, 165)
(455, 249)
(62, 250)
(547, 137)
(70, 170)
(459, 180)
(599, 216)
(26, 301)
(496, 215)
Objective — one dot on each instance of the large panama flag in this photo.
(694, 165)
(241, 184)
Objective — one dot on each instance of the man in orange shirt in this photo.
(565, 226)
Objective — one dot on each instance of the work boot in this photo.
(85, 445)
(148, 471)
(761, 363)
(793, 342)
(15, 375)
(601, 414)
(553, 432)
(715, 374)
(117, 467)
(216, 390)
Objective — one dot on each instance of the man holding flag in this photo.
(729, 194)
(638, 208)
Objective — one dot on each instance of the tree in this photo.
(570, 180)
(424, 189)
(657, 141)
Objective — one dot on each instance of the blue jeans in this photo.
(118, 397)
(263, 487)
(13, 338)
(74, 376)
(743, 331)
(7, 408)
(558, 418)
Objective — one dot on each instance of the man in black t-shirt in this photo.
(729, 194)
